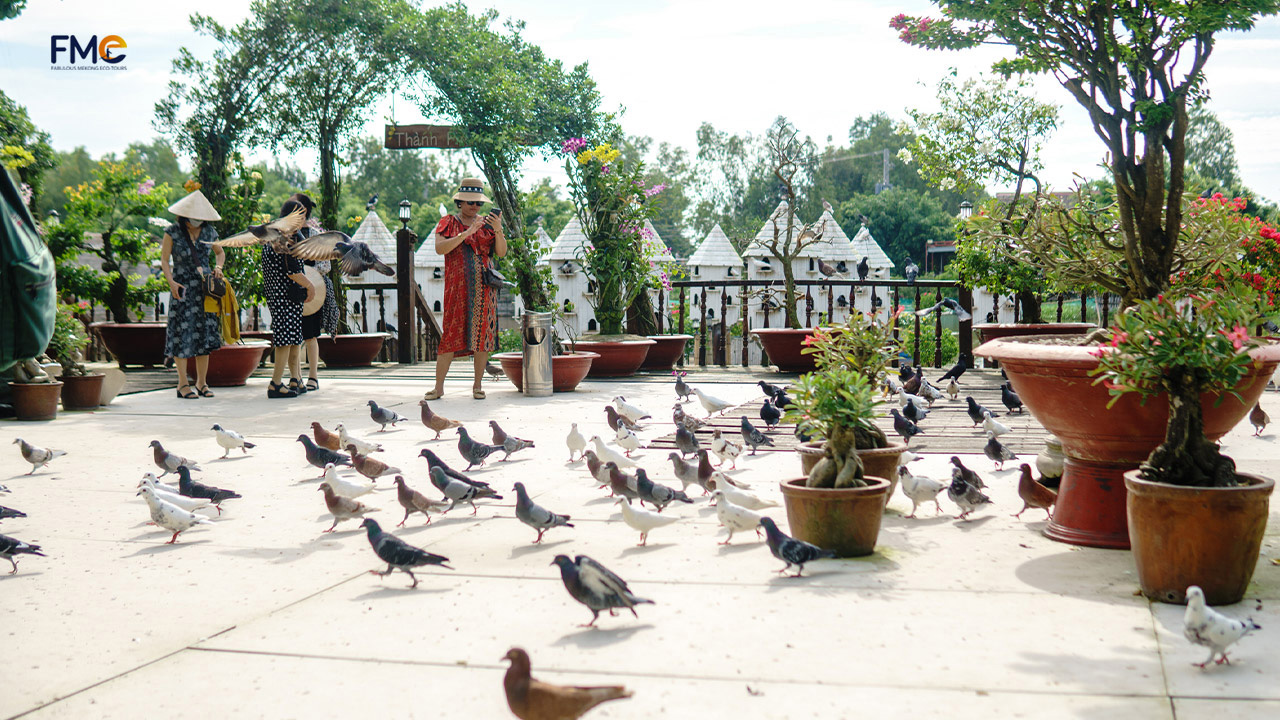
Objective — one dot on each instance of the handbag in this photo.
(295, 292)
(214, 287)
(495, 279)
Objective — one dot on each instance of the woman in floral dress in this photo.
(184, 260)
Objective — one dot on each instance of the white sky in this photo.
(672, 64)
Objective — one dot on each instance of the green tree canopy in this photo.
(25, 147)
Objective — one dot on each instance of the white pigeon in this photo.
(1205, 626)
(711, 403)
(906, 457)
(739, 497)
(602, 474)
(576, 442)
(170, 516)
(994, 427)
(734, 517)
(725, 449)
(230, 440)
(953, 389)
(905, 397)
(364, 446)
(643, 520)
(189, 504)
(345, 488)
(629, 411)
(627, 440)
(608, 454)
(157, 484)
(892, 386)
(919, 489)
(930, 393)
(37, 456)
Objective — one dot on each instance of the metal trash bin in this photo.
(536, 360)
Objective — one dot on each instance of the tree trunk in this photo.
(1029, 307)
(640, 316)
(789, 290)
(1187, 457)
(840, 467)
(330, 186)
(118, 289)
(530, 282)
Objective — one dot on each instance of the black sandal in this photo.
(189, 394)
(278, 390)
(312, 384)
(204, 391)
(296, 387)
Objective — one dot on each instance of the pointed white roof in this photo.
(866, 246)
(375, 234)
(756, 248)
(567, 243)
(715, 250)
(835, 245)
(541, 242)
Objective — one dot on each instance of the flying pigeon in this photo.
(629, 411)
(627, 440)
(195, 489)
(790, 550)
(324, 438)
(724, 448)
(1259, 419)
(398, 554)
(383, 416)
(1203, 626)
(163, 492)
(343, 487)
(531, 699)
(439, 423)
(536, 516)
(968, 475)
(683, 391)
(646, 521)
(997, 452)
(576, 442)
(1010, 398)
(342, 508)
(353, 256)
(319, 457)
(770, 415)
(1033, 494)
(946, 305)
(657, 494)
(413, 501)
(509, 443)
(993, 427)
(276, 233)
(167, 461)
(230, 440)
(613, 419)
(9, 547)
(347, 440)
(686, 441)
(472, 451)
(964, 362)
(595, 586)
(458, 491)
(8, 513)
(911, 271)
(919, 489)
(968, 497)
(977, 413)
(607, 454)
(710, 403)
(904, 427)
(741, 498)
(735, 518)
(170, 516)
(37, 456)
(369, 467)
(753, 437)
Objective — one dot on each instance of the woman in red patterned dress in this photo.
(467, 240)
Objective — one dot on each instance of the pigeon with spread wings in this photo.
(353, 256)
(276, 232)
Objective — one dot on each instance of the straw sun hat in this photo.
(196, 207)
(471, 189)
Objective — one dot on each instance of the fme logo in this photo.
(91, 53)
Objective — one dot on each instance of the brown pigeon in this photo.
(1259, 418)
(324, 438)
(371, 468)
(439, 423)
(413, 501)
(613, 418)
(531, 699)
(1033, 494)
(342, 508)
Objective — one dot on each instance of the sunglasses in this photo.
(473, 203)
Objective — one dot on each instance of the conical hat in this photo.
(195, 206)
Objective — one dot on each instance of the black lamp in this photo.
(966, 210)
(406, 212)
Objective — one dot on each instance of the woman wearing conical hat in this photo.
(184, 258)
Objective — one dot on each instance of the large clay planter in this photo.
(783, 346)
(618, 358)
(994, 331)
(666, 352)
(133, 343)
(81, 392)
(1101, 444)
(1185, 536)
(876, 462)
(846, 521)
(231, 365)
(35, 401)
(355, 350)
(566, 370)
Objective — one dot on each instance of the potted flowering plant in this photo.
(81, 390)
(1193, 520)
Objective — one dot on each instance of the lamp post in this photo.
(966, 210)
(404, 286)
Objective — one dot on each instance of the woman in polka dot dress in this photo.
(286, 289)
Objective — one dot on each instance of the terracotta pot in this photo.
(783, 346)
(231, 365)
(846, 521)
(35, 401)
(133, 343)
(1197, 536)
(257, 335)
(994, 331)
(355, 350)
(1100, 444)
(566, 370)
(876, 462)
(618, 358)
(81, 392)
(668, 350)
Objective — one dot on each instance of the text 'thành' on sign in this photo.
(411, 137)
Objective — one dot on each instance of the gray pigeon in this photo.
(319, 457)
(458, 491)
(434, 461)
(595, 586)
(657, 494)
(194, 489)
(384, 416)
(7, 513)
(13, 546)
(914, 412)
(770, 414)
(1010, 398)
(976, 411)
(790, 550)
(911, 271)
(686, 473)
(997, 452)
(167, 461)
(967, 497)
(398, 554)
(536, 516)
(353, 256)
(752, 436)
(37, 456)
(509, 443)
(686, 441)
(683, 391)
(474, 452)
(966, 474)
(904, 427)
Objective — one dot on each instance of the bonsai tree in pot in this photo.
(81, 389)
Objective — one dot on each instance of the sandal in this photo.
(312, 384)
(433, 395)
(189, 394)
(278, 390)
(477, 393)
(296, 387)
(204, 391)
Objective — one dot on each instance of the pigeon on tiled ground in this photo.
(7, 513)
(1033, 494)
(575, 441)
(325, 438)
(531, 699)
(646, 521)
(593, 462)
(167, 461)
(953, 389)
(415, 502)
(725, 449)
(685, 420)
(627, 440)
(398, 554)
(711, 403)
(370, 467)
(621, 484)
(911, 385)
(997, 452)
(930, 393)
(196, 489)
(1258, 418)
(993, 427)
(342, 508)
(631, 412)
(1207, 627)
(493, 371)
(319, 457)
(686, 442)
(458, 491)
(769, 389)
(11, 547)
(595, 586)
(734, 517)
(782, 401)
(770, 415)
(383, 416)
(1010, 398)
(169, 516)
(343, 487)
(740, 497)
(683, 391)
(536, 516)
(657, 494)
(963, 363)
(509, 443)
(473, 451)
(790, 550)
(608, 454)
(967, 497)
(686, 473)
(158, 484)
(613, 419)
(434, 461)
(977, 412)
(347, 439)
(966, 474)
(706, 471)
(904, 427)
(439, 423)
(160, 489)
(752, 436)
(37, 456)
(919, 489)
(229, 440)
(914, 412)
